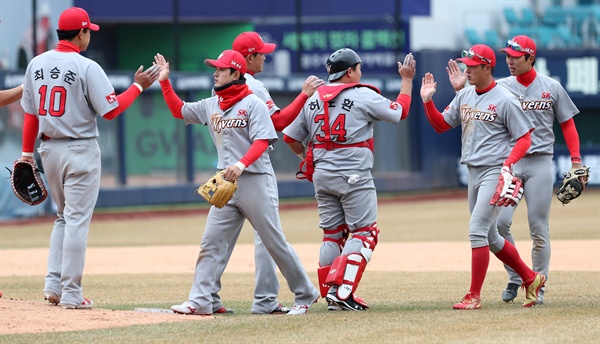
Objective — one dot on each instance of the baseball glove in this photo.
(27, 183)
(509, 190)
(571, 186)
(217, 190)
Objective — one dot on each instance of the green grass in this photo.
(405, 308)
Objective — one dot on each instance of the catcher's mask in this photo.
(339, 62)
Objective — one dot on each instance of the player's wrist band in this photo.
(240, 165)
(27, 154)
(139, 86)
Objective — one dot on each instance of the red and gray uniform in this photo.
(233, 131)
(490, 122)
(266, 286)
(544, 100)
(66, 91)
(344, 187)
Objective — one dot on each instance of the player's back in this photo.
(67, 91)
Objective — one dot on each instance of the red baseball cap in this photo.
(228, 59)
(519, 46)
(75, 18)
(247, 43)
(479, 54)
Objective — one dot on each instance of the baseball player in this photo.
(490, 118)
(63, 93)
(242, 132)
(337, 121)
(11, 95)
(266, 287)
(543, 99)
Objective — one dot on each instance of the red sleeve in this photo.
(288, 139)
(31, 126)
(256, 150)
(287, 115)
(520, 148)
(404, 100)
(173, 101)
(435, 118)
(572, 139)
(125, 99)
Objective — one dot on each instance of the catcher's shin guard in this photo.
(346, 272)
(322, 273)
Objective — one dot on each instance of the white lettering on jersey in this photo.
(467, 114)
(536, 104)
(218, 123)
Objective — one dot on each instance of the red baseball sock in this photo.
(480, 260)
(510, 256)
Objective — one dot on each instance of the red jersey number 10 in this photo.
(56, 99)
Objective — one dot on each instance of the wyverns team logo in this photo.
(218, 123)
(111, 98)
(544, 104)
(467, 114)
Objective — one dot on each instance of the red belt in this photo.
(331, 145)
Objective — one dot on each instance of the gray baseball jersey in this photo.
(351, 117)
(544, 100)
(489, 123)
(232, 144)
(256, 199)
(66, 91)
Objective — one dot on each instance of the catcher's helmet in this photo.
(339, 62)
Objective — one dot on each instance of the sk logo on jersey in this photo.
(492, 107)
(394, 106)
(545, 95)
(111, 98)
(270, 104)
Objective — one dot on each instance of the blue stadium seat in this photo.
(511, 16)
(529, 18)
(554, 16)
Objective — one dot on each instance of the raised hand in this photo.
(160, 61)
(146, 78)
(408, 68)
(456, 77)
(428, 87)
(311, 84)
